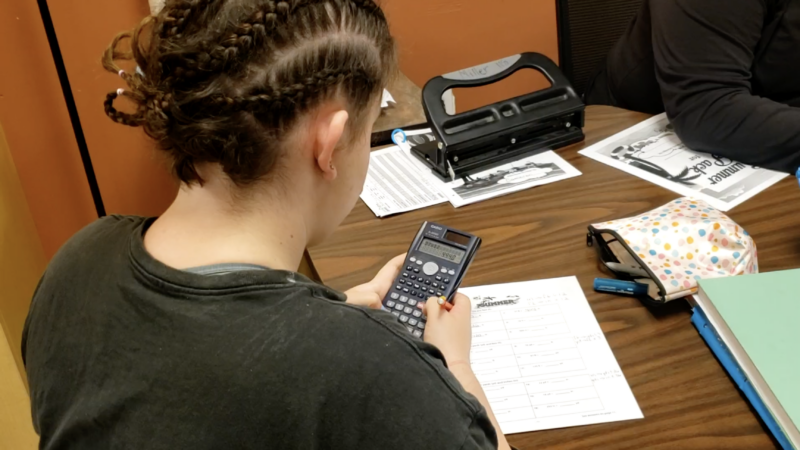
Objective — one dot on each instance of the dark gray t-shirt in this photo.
(125, 352)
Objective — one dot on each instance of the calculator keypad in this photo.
(418, 282)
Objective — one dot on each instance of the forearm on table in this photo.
(738, 125)
(464, 374)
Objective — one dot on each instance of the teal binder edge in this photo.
(720, 350)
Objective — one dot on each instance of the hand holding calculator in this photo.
(435, 265)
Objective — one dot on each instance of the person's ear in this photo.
(329, 131)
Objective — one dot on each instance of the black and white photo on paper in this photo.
(651, 150)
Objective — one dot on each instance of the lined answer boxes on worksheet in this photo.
(528, 323)
(538, 399)
(504, 362)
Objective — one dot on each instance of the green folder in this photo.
(758, 318)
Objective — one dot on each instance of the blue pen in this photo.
(798, 174)
(620, 287)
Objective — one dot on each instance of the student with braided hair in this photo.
(193, 329)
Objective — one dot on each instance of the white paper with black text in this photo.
(542, 358)
(397, 182)
(652, 151)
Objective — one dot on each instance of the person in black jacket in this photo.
(727, 72)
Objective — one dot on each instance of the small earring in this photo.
(120, 91)
(332, 168)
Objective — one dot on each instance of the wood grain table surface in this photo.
(687, 399)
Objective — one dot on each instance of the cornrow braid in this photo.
(224, 81)
(370, 6)
(176, 17)
(293, 95)
(262, 27)
(148, 107)
(235, 44)
(131, 120)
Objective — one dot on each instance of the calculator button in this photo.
(409, 284)
(399, 306)
(431, 291)
(394, 296)
(396, 313)
(439, 294)
(413, 259)
(427, 281)
(451, 272)
(409, 268)
(410, 329)
(446, 280)
(398, 287)
(413, 322)
(417, 333)
(421, 325)
(412, 302)
(405, 274)
(405, 290)
(416, 286)
(403, 319)
(435, 284)
(413, 292)
(413, 277)
(390, 304)
(419, 263)
(438, 278)
(416, 270)
(408, 310)
(417, 313)
(403, 298)
(443, 270)
(430, 268)
(421, 295)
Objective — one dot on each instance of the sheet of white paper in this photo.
(386, 99)
(542, 358)
(525, 173)
(396, 182)
(652, 151)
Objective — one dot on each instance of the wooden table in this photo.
(406, 111)
(687, 399)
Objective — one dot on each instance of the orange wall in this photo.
(434, 37)
(37, 127)
(440, 36)
(130, 173)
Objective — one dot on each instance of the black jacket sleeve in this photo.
(703, 51)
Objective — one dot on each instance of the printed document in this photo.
(542, 358)
(398, 182)
(536, 170)
(652, 151)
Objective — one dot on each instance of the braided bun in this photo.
(224, 80)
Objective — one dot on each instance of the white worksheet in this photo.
(542, 358)
(397, 182)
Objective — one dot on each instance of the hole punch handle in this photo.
(489, 73)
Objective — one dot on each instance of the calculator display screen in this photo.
(439, 250)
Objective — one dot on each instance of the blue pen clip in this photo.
(399, 137)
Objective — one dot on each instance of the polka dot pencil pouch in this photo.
(674, 246)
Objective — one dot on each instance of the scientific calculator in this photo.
(436, 263)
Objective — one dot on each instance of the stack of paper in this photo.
(398, 182)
